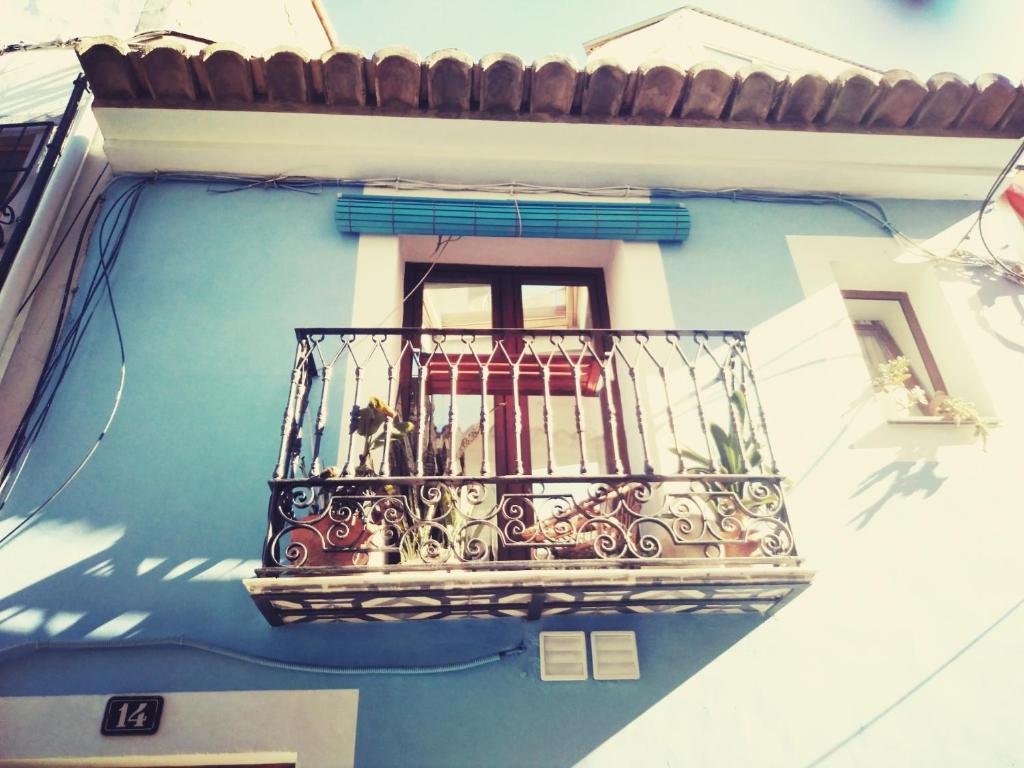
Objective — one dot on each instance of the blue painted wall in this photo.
(735, 271)
(154, 536)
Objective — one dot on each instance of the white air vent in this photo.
(563, 656)
(615, 656)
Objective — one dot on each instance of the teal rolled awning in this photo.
(396, 215)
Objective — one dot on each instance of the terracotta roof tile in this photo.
(449, 83)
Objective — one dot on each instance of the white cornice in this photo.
(559, 154)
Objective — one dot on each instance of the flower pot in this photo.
(329, 542)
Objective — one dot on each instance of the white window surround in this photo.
(634, 274)
(248, 730)
(832, 264)
(637, 288)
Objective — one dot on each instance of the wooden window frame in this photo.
(507, 313)
(901, 297)
(502, 279)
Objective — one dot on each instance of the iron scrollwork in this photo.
(453, 521)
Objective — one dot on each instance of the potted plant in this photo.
(354, 519)
(738, 511)
(892, 379)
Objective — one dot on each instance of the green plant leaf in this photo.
(755, 459)
(740, 401)
(761, 501)
(728, 449)
(368, 421)
(693, 456)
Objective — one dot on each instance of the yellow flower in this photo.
(382, 408)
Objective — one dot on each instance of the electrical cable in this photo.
(1013, 273)
(122, 211)
(76, 329)
(137, 40)
(103, 432)
(263, 661)
(15, 446)
(862, 206)
(1009, 272)
(71, 333)
(55, 351)
(443, 241)
(60, 243)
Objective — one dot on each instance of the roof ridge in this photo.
(589, 45)
(781, 38)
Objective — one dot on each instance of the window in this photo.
(20, 146)
(887, 329)
(730, 58)
(473, 298)
(531, 426)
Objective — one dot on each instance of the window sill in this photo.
(940, 421)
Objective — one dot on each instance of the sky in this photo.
(968, 37)
(925, 36)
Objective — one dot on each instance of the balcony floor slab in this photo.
(530, 593)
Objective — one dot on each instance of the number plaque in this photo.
(132, 715)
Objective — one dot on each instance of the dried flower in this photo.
(892, 373)
(961, 411)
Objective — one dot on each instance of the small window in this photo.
(887, 329)
(728, 58)
(20, 146)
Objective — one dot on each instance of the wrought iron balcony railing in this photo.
(492, 448)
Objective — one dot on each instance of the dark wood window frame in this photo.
(930, 366)
(505, 279)
(506, 310)
(20, 147)
(507, 313)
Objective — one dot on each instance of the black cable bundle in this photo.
(67, 337)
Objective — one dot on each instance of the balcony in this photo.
(494, 472)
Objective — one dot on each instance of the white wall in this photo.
(556, 154)
(687, 37)
(210, 728)
(902, 650)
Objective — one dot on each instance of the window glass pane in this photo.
(556, 306)
(889, 320)
(14, 154)
(456, 305)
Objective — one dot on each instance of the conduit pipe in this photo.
(263, 661)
